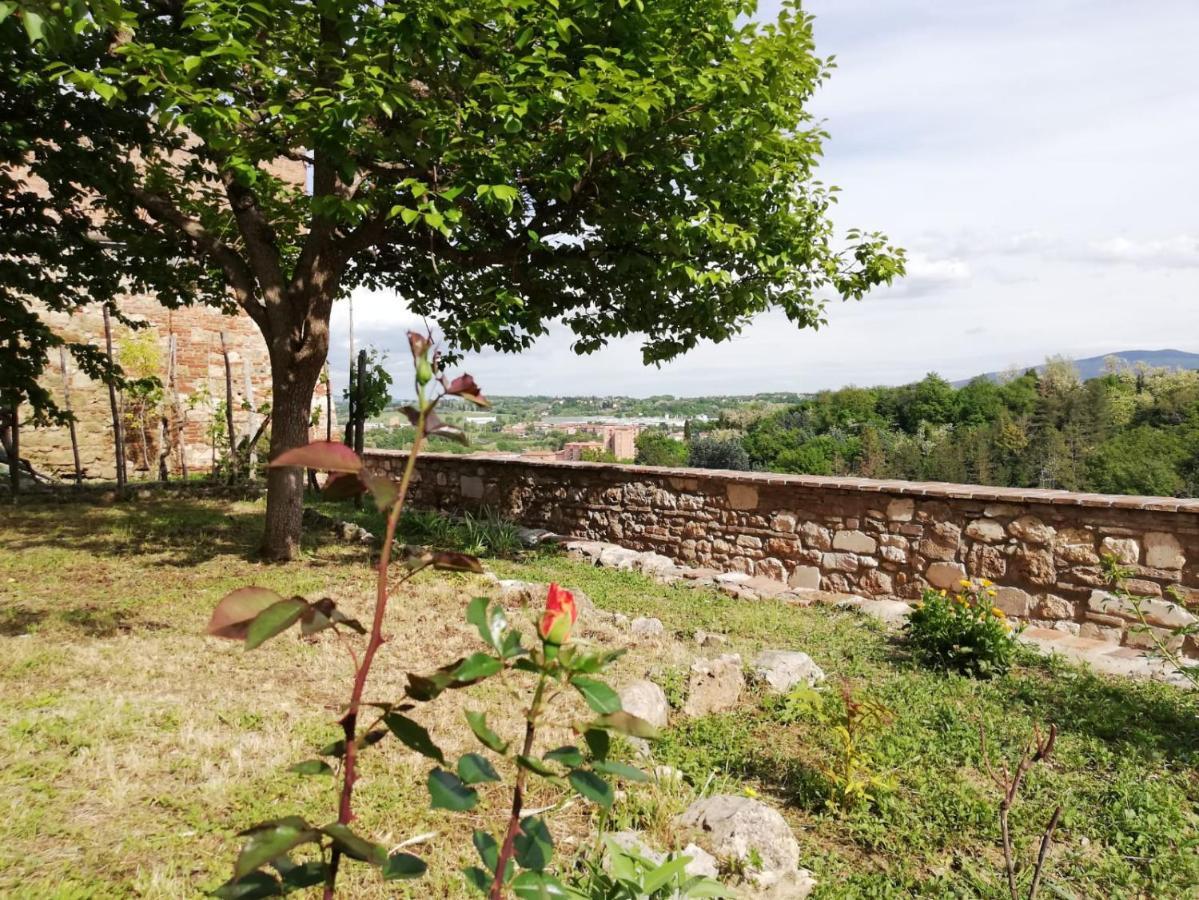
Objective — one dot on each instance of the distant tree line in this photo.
(1129, 431)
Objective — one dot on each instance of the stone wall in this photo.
(200, 377)
(875, 538)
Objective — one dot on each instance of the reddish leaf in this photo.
(324, 614)
(384, 490)
(450, 561)
(437, 428)
(464, 386)
(411, 413)
(328, 456)
(419, 343)
(342, 486)
(236, 610)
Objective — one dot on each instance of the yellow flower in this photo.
(966, 584)
(986, 583)
(943, 592)
(992, 593)
(750, 792)
(997, 612)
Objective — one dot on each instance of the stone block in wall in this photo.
(1031, 530)
(854, 542)
(1033, 564)
(941, 540)
(1162, 551)
(1125, 550)
(742, 496)
(805, 578)
(945, 575)
(771, 568)
(1051, 606)
(1162, 613)
(817, 537)
(876, 583)
(1002, 510)
(989, 531)
(784, 522)
(1096, 631)
(1013, 601)
(896, 555)
(839, 562)
(1075, 555)
(471, 487)
(983, 561)
(901, 509)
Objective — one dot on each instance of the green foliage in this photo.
(657, 448)
(630, 876)
(962, 632)
(712, 452)
(1123, 432)
(484, 534)
(855, 721)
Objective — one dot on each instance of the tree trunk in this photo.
(118, 432)
(14, 452)
(291, 410)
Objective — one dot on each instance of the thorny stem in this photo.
(349, 722)
(518, 796)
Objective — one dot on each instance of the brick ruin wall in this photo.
(200, 378)
(873, 538)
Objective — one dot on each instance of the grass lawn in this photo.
(134, 747)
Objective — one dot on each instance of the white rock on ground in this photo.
(715, 685)
(781, 670)
(647, 627)
(741, 828)
(645, 700)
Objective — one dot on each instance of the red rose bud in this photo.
(560, 614)
(419, 344)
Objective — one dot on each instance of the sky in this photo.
(1036, 158)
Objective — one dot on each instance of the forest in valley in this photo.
(1131, 430)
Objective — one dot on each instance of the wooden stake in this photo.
(179, 413)
(118, 431)
(252, 421)
(66, 402)
(229, 404)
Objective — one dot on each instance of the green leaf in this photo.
(354, 846)
(533, 844)
(236, 610)
(536, 766)
(476, 614)
(487, 737)
(664, 874)
(620, 770)
(475, 769)
(598, 742)
(413, 735)
(488, 849)
(34, 25)
(598, 695)
(591, 786)
(300, 875)
(274, 620)
(408, 215)
(252, 887)
(448, 792)
(403, 866)
(627, 723)
(566, 756)
(478, 879)
(477, 667)
(312, 767)
(539, 886)
(269, 840)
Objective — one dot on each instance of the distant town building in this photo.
(573, 451)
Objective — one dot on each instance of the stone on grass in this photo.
(755, 835)
(645, 700)
(781, 670)
(714, 686)
(647, 627)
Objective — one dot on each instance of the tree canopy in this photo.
(627, 168)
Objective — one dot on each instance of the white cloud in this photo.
(1180, 251)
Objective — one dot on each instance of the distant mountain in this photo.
(1093, 366)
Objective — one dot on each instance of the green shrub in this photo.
(962, 632)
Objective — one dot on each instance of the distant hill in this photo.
(1092, 366)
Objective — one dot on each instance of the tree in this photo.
(717, 452)
(657, 448)
(625, 167)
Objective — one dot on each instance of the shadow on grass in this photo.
(176, 534)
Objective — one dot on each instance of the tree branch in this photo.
(237, 273)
